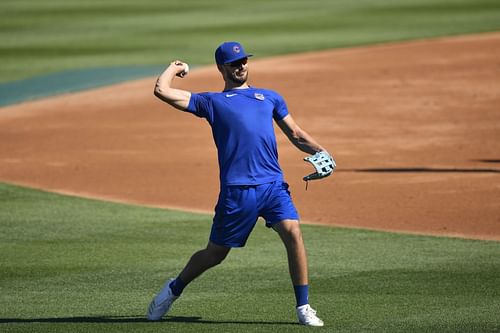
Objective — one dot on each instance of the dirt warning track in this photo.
(414, 127)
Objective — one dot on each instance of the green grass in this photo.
(75, 265)
(39, 37)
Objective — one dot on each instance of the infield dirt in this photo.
(414, 127)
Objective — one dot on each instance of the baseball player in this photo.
(251, 180)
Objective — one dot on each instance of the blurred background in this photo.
(135, 38)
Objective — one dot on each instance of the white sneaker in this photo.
(307, 316)
(161, 303)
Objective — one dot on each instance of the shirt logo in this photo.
(260, 97)
(231, 95)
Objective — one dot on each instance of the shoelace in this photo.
(310, 310)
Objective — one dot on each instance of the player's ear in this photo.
(222, 71)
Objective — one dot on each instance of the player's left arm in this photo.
(300, 138)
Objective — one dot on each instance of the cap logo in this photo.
(236, 49)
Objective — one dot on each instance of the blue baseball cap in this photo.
(228, 52)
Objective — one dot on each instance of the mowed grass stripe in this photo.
(79, 265)
(39, 37)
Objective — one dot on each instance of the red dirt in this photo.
(414, 126)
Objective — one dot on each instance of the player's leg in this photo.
(235, 217)
(280, 213)
(200, 261)
(291, 235)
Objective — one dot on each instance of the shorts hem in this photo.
(269, 224)
(228, 245)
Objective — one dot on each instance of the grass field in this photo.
(76, 265)
(39, 37)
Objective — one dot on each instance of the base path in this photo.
(414, 126)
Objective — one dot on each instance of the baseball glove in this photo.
(323, 163)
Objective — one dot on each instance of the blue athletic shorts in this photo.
(239, 207)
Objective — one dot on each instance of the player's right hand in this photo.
(181, 68)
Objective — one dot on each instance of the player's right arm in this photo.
(178, 98)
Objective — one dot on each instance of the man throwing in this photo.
(251, 179)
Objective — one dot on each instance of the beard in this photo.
(239, 79)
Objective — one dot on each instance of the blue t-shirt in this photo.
(242, 127)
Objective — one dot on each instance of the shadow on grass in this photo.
(137, 319)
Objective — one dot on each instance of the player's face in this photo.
(237, 71)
